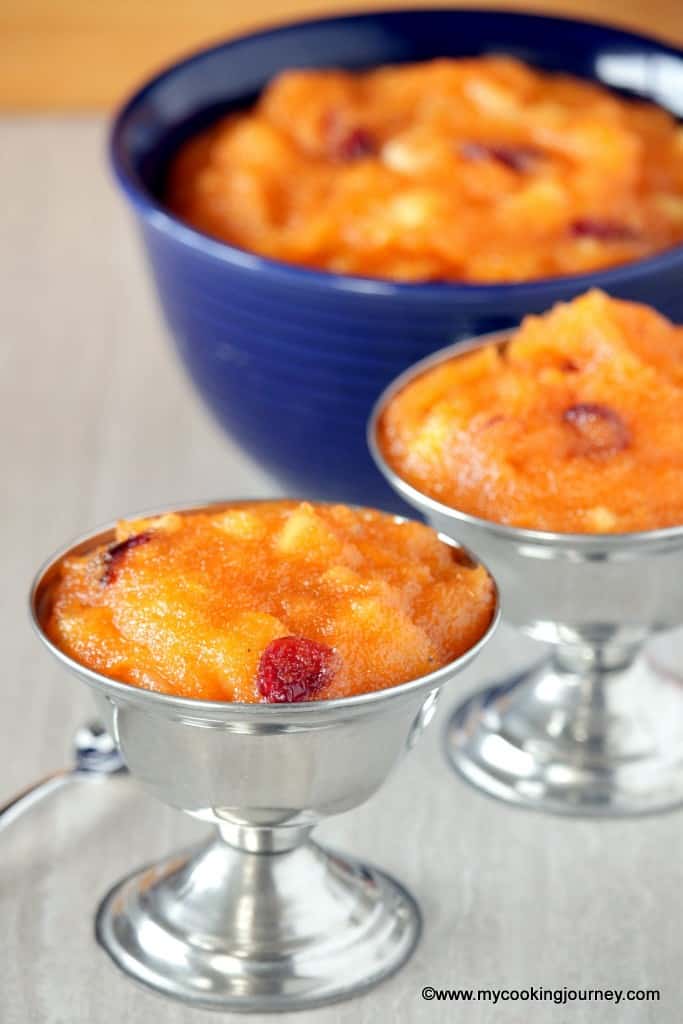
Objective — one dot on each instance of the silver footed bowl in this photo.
(591, 730)
(261, 917)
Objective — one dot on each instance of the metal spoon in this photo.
(96, 756)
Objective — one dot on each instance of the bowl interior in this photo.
(195, 91)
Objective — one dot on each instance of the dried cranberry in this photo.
(294, 668)
(347, 142)
(601, 431)
(356, 144)
(602, 230)
(463, 558)
(515, 158)
(492, 421)
(115, 554)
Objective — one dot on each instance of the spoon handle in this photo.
(25, 800)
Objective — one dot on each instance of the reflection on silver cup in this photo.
(261, 917)
(592, 730)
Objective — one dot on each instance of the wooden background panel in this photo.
(87, 54)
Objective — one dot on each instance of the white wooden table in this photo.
(97, 420)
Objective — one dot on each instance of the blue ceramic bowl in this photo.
(291, 360)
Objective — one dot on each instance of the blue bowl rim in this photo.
(288, 273)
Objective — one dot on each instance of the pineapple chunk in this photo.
(171, 522)
(600, 519)
(241, 524)
(305, 533)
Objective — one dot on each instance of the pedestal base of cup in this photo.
(227, 929)
(598, 745)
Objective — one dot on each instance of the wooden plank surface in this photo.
(73, 54)
(97, 420)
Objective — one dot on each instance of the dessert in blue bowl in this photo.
(290, 353)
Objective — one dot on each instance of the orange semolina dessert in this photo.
(474, 170)
(574, 425)
(273, 601)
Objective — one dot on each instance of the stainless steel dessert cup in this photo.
(261, 917)
(592, 729)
